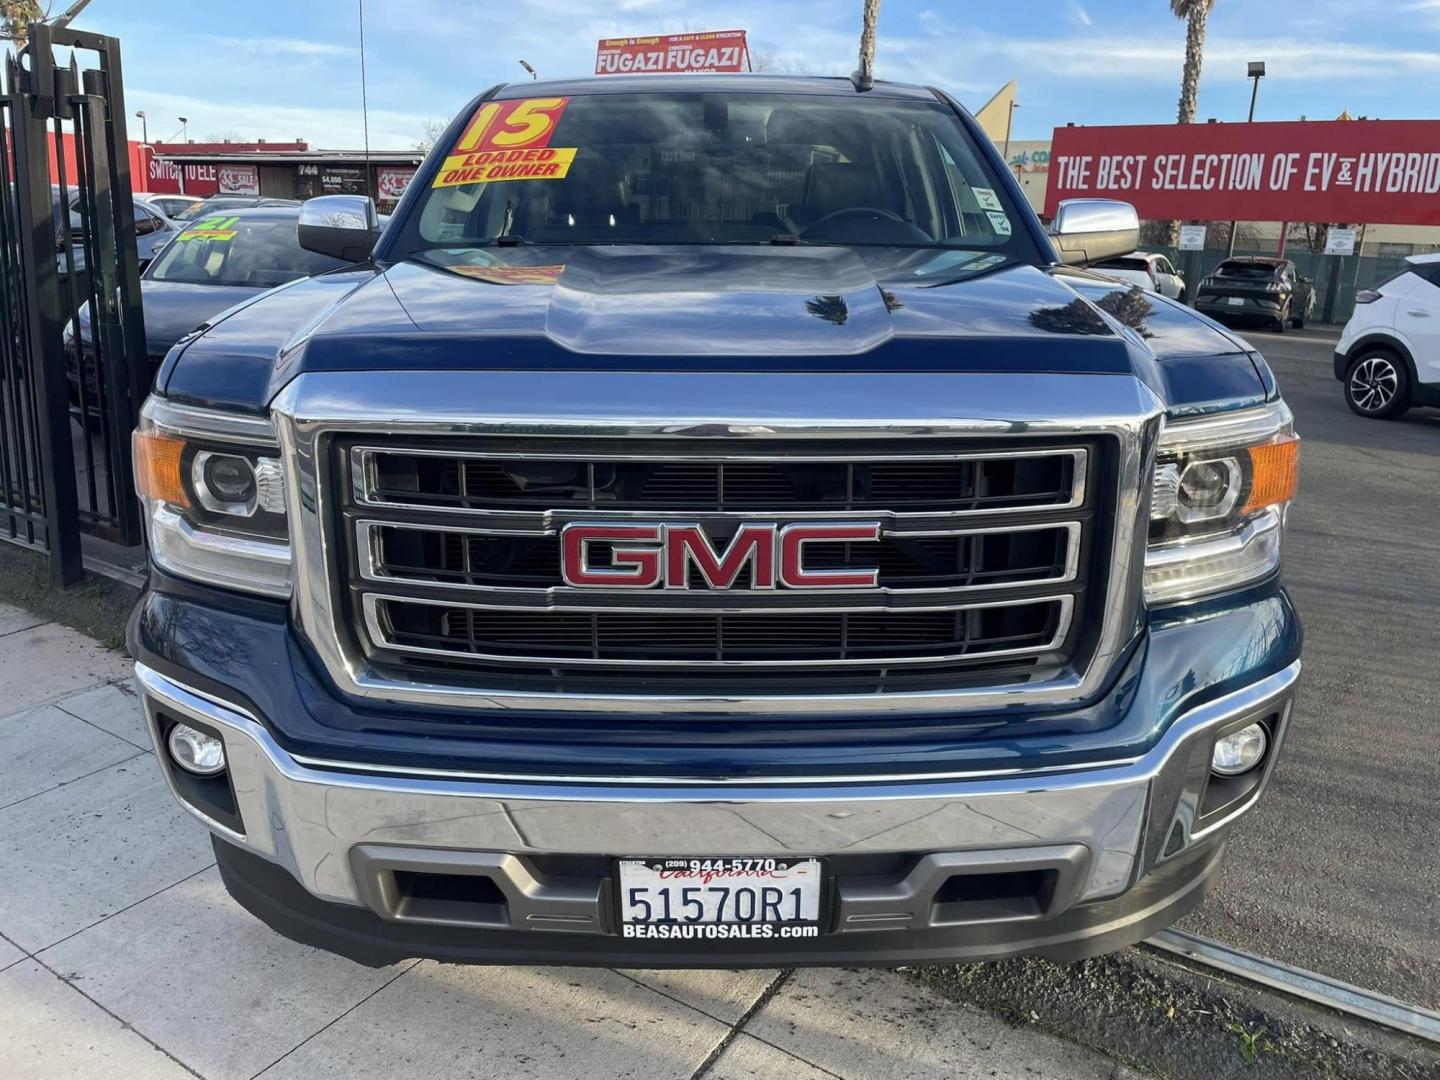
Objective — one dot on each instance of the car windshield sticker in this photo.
(512, 275)
(508, 140)
(217, 228)
(986, 197)
(999, 222)
(985, 263)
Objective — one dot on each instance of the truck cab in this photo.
(712, 525)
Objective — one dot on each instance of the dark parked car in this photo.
(201, 207)
(218, 261)
(1258, 289)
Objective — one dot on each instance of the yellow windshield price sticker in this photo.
(485, 166)
(508, 140)
(216, 228)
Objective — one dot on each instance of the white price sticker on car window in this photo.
(986, 198)
(999, 222)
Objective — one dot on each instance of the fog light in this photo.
(1239, 751)
(196, 752)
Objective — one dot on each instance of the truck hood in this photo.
(720, 308)
(174, 308)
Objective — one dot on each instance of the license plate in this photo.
(689, 899)
(1235, 301)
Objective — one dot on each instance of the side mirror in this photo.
(1091, 230)
(341, 226)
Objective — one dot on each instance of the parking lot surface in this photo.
(1338, 869)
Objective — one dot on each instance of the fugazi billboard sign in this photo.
(709, 50)
(1377, 171)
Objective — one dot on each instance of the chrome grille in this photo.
(936, 484)
(985, 558)
(665, 639)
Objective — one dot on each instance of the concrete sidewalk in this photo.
(122, 957)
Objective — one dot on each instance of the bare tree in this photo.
(430, 132)
(1312, 234)
(776, 64)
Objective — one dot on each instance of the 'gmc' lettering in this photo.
(669, 556)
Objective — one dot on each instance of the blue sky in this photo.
(282, 69)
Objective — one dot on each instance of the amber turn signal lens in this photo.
(157, 468)
(1274, 473)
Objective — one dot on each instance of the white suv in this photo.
(1389, 355)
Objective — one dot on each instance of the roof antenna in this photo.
(864, 76)
(365, 105)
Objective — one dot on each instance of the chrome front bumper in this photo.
(1106, 826)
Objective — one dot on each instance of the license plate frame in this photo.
(1235, 301)
(720, 898)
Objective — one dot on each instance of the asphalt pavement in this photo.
(1338, 869)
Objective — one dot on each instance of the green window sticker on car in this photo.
(999, 222)
(217, 228)
(987, 198)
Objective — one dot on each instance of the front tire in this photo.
(1377, 386)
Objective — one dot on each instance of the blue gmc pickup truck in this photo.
(715, 523)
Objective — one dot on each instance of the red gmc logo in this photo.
(662, 555)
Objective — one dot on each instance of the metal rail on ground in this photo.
(1321, 989)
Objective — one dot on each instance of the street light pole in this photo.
(1009, 121)
(144, 126)
(1255, 72)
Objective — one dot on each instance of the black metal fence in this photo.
(73, 371)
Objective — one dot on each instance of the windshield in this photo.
(717, 169)
(221, 250)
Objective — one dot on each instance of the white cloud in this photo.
(1078, 13)
(278, 46)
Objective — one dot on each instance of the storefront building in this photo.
(281, 171)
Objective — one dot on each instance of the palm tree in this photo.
(16, 17)
(1195, 13)
(869, 17)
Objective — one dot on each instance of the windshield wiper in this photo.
(509, 240)
(786, 240)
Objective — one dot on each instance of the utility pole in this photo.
(1255, 72)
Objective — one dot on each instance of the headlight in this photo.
(1217, 509)
(214, 494)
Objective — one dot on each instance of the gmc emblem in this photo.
(661, 555)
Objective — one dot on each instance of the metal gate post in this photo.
(45, 313)
(110, 83)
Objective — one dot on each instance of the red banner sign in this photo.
(712, 50)
(164, 175)
(239, 180)
(1374, 171)
(392, 180)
